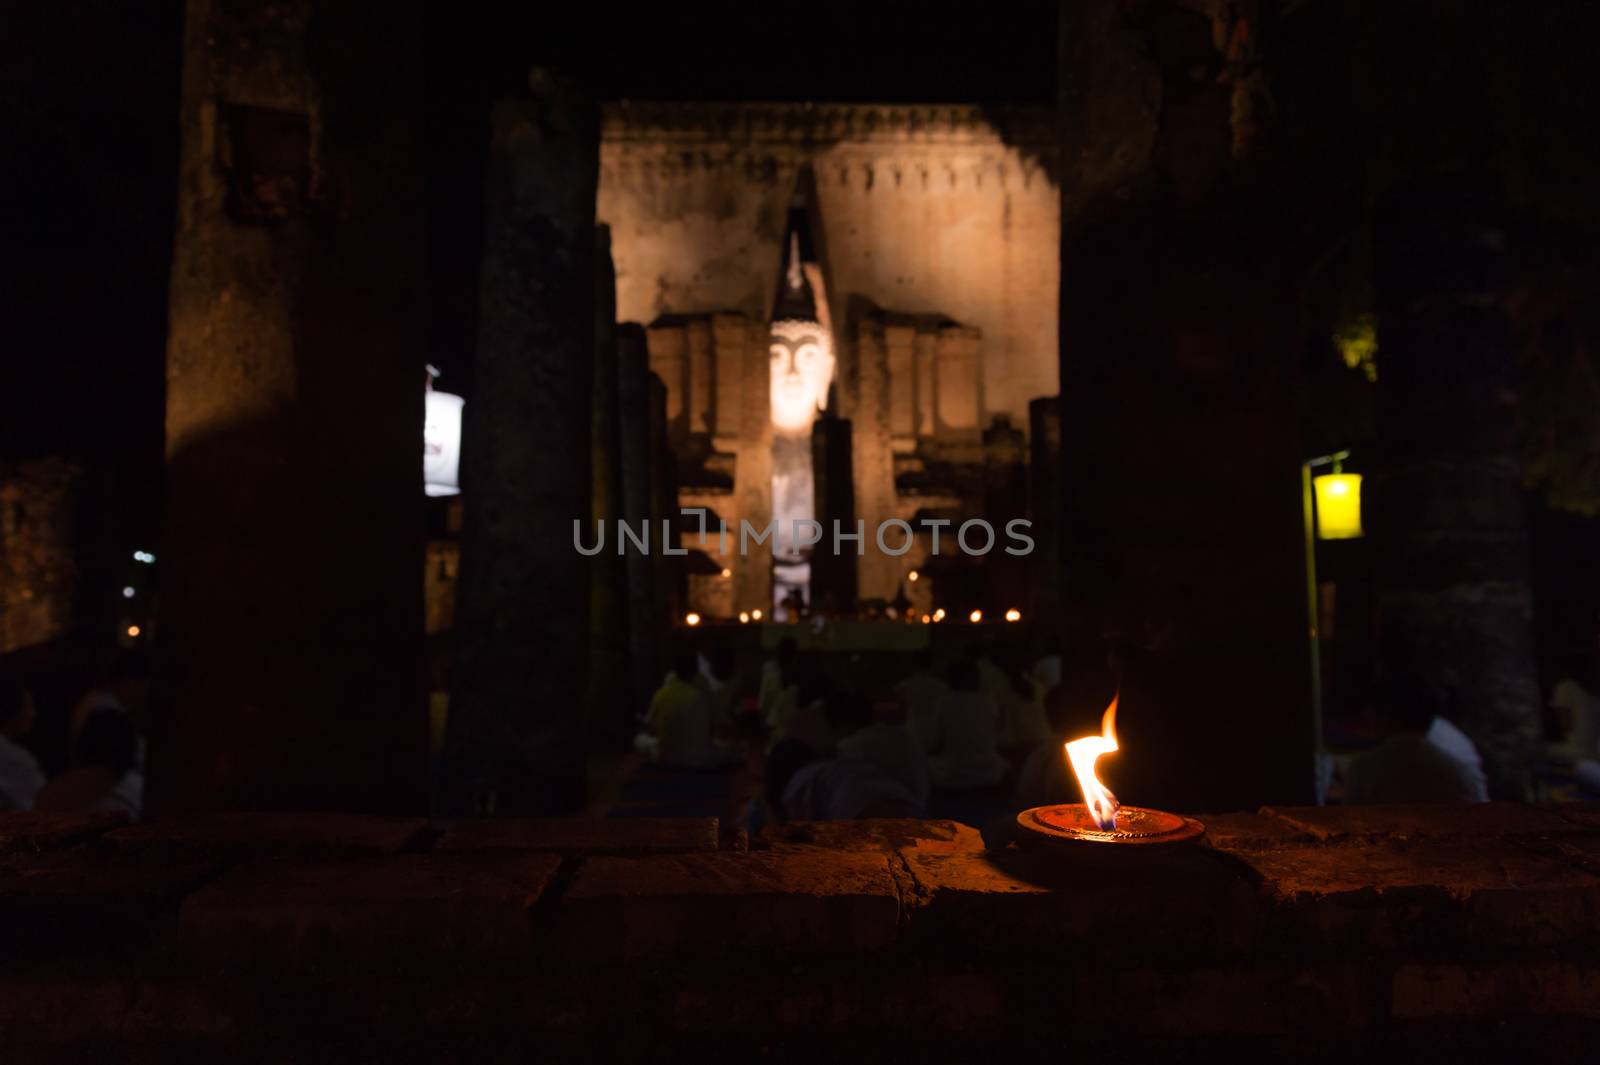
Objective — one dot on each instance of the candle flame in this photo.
(1082, 754)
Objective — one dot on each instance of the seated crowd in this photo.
(104, 768)
(832, 752)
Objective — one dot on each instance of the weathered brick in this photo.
(1581, 814)
(86, 902)
(1242, 831)
(395, 911)
(575, 835)
(31, 832)
(886, 835)
(1497, 990)
(1058, 904)
(1467, 821)
(236, 836)
(792, 899)
(1399, 894)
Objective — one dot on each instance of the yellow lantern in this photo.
(1338, 505)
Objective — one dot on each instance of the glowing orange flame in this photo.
(1083, 754)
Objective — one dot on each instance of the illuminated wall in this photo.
(922, 210)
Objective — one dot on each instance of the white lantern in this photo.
(441, 444)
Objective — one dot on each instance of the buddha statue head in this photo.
(802, 369)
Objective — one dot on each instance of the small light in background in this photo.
(144, 556)
(756, 614)
(913, 575)
(691, 619)
(133, 630)
(127, 593)
(975, 617)
(926, 619)
(938, 615)
(1013, 614)
(727, 572)
(744, 617)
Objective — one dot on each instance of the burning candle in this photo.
(1082, 754)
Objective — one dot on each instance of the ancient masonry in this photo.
(937, 230)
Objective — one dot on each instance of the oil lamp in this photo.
(1100, 819)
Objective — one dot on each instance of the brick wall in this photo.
(1305, 934)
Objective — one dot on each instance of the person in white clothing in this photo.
(800, 786)
(106, 777)
(922, 694)
(1426, 760)
(886, 744)
(20, 775)
(777, 676)
(967, 757)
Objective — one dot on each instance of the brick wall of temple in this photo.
(1298, 933)
(39, 504)
(922, 210)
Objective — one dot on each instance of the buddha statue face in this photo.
(802, 369)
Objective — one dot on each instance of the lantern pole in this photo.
(1313, 610)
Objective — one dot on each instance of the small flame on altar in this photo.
(1082, 754)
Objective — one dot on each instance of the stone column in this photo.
(610, 695)
(633, 424)
(899, 340)
(1180, 351)
(669, 578)
(289, 661)
(958, 377)
(669, 360)
(834, 573)
(697, 333)
(1446, 509)
(1044, 510)
(872, 459)
(515, 741)
(752, 471)
(1005, 497)
(923, 349)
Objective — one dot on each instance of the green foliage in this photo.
(1357, 341)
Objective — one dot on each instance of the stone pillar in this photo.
(515, 740)
(834, 573)
(872, 458)
(1180, 421)
(697, 332)
(958, 378)
(1005, 497)
(899, 341)
(610, 695)
(1044, 510)
(667, 575)
(289, 663)
(669, 361)
(924, 345)
(752, 473)
(1446, 509)
(633, 424)
(727, 346)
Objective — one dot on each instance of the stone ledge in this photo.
(238, 836)
(407, 911)
(1063, 907)
(79, 902)
(1427, 894)
(580, 836)
(1562, 989)
(1252, 831)
(33, 833)
(1475, 821)
(786, 899)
